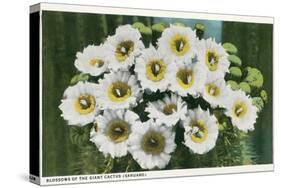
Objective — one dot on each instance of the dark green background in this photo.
(66, 33)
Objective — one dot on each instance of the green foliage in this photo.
(89, 161)
(157, 30)
(199, 26)
(263, 95)
(79, 77)
(146, 31)
(235, 72)
(254, 77)
(235, 60)
(233, 84)
(244, 86)
(138, 25)
(258, 102)
(232, 146)
(230, 48)
(80, 135)
(158, 27)
(200, 29)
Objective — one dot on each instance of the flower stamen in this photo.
(118, 130)
(153, 143)
(155, 70)
(179, 44)
(85, 104)
(212, 89)
(199, 132)
(185, 78)
(239, 109)
(212, 60)
(119, 91)
(124, 50)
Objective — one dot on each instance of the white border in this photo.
(40, 97)
(58, 180)
(154, 13)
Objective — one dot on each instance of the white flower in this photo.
(79, 106)
(123, 47)
(92, 60)
(151, 144)
(188, 79)
(118, 90)
(178, 42)
(153, 70)
(112, 132)
(216, 92)
(167, 111)
(241, 110)
(201, 131)
(214, 57)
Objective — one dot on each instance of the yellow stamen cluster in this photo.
(96, 62)
(212, 89)
(155, 70)
(118, 130)
(201, 133)
(179, 44)
(239, 109)
(119, 91)
(185, 78)
(212, 60)
(85, 104)
(124, 50)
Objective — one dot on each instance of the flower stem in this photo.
(109, 165)
(129, 165)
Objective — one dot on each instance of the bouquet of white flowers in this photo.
(157, 97)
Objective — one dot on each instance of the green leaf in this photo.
(146, 30)
(258, 102)
(244, 86)
(79, 77)
(235, 60)
(254, 77)
(235, 71)
(263, 95)
(229, 47)
(200, 29)
(83, 77)
(233, 84)
(159, 27)
(74, 79)
(200, 26)
(138, 25)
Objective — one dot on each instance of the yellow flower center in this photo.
(123, 50)
(169, 109)
(85, 104)
(212, 60)
(118, 130)
(96, 62)
(153, 143)
(155, 70)
(212, 89)
(119, 91)
(179, 44)
(185, 78)
(199, 131)
(239, 109)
